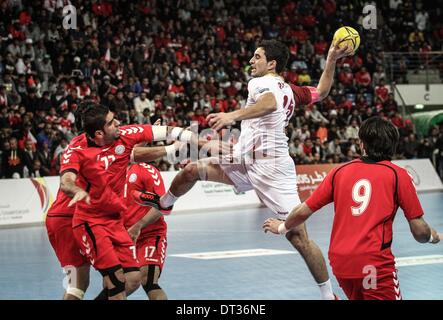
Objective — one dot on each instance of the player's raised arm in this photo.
(265, 104)
(327, 77)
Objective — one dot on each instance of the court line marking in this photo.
(211, 255)
(230, 254)
(418, 260)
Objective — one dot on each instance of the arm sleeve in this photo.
(137, 133)
(323, 194)
(304, 95)
(69, 161)
(258, 87)
(407, 196)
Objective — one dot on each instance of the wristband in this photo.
(282, 229)
(180, 134)
(159, 133)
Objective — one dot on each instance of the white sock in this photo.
(326, 290)
(168, 200)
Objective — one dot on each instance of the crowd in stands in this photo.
(180, 60)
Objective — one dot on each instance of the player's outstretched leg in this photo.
(150, 276)
(314, 259)
(205, 169)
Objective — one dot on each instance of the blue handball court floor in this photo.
(226, 255)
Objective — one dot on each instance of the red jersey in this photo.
(144, 177)
(366, 197)
(93, 177)
(116, 157)
(60, 205)
(103, 172)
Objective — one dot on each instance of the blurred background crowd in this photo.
(178, 61)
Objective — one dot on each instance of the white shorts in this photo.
(274, 181)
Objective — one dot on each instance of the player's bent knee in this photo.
(298, 238)
(133, 279)
(191, 172)
(119, 285)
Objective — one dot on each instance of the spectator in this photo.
(13, 160)
(45, 158)
(352, 130)
(196, 67)
(142, 102)
(363, 79)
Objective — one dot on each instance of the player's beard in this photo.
(257, 73)
(112, 137)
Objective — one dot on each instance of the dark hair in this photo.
(91, 117)
(380, 138)
(275, 50)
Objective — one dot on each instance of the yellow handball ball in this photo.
(347, 36)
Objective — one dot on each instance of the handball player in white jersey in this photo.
(261, 159)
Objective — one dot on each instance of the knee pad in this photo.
(151, 286)
(79, 294)
(119, 286)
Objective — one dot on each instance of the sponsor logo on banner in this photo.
(45, 196)
(310, 176)
(414, 175)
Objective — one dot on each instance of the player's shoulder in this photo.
(400, 171)
(266, 80)
(379, 165)
(263, 81)
(79, 141)
(132, 129)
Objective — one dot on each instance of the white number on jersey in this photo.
(149, 251)
(362, 199)
(134, 252)
(108, 160)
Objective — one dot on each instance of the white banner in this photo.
(26, 200)
(211, 196)
(424, 174)
(414, 94)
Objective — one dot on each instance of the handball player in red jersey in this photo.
(367, 194)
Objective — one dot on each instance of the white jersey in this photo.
(265, 136)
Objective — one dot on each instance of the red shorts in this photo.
(106, 245)
(151, 250)
(386, 287)
(62, 240)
